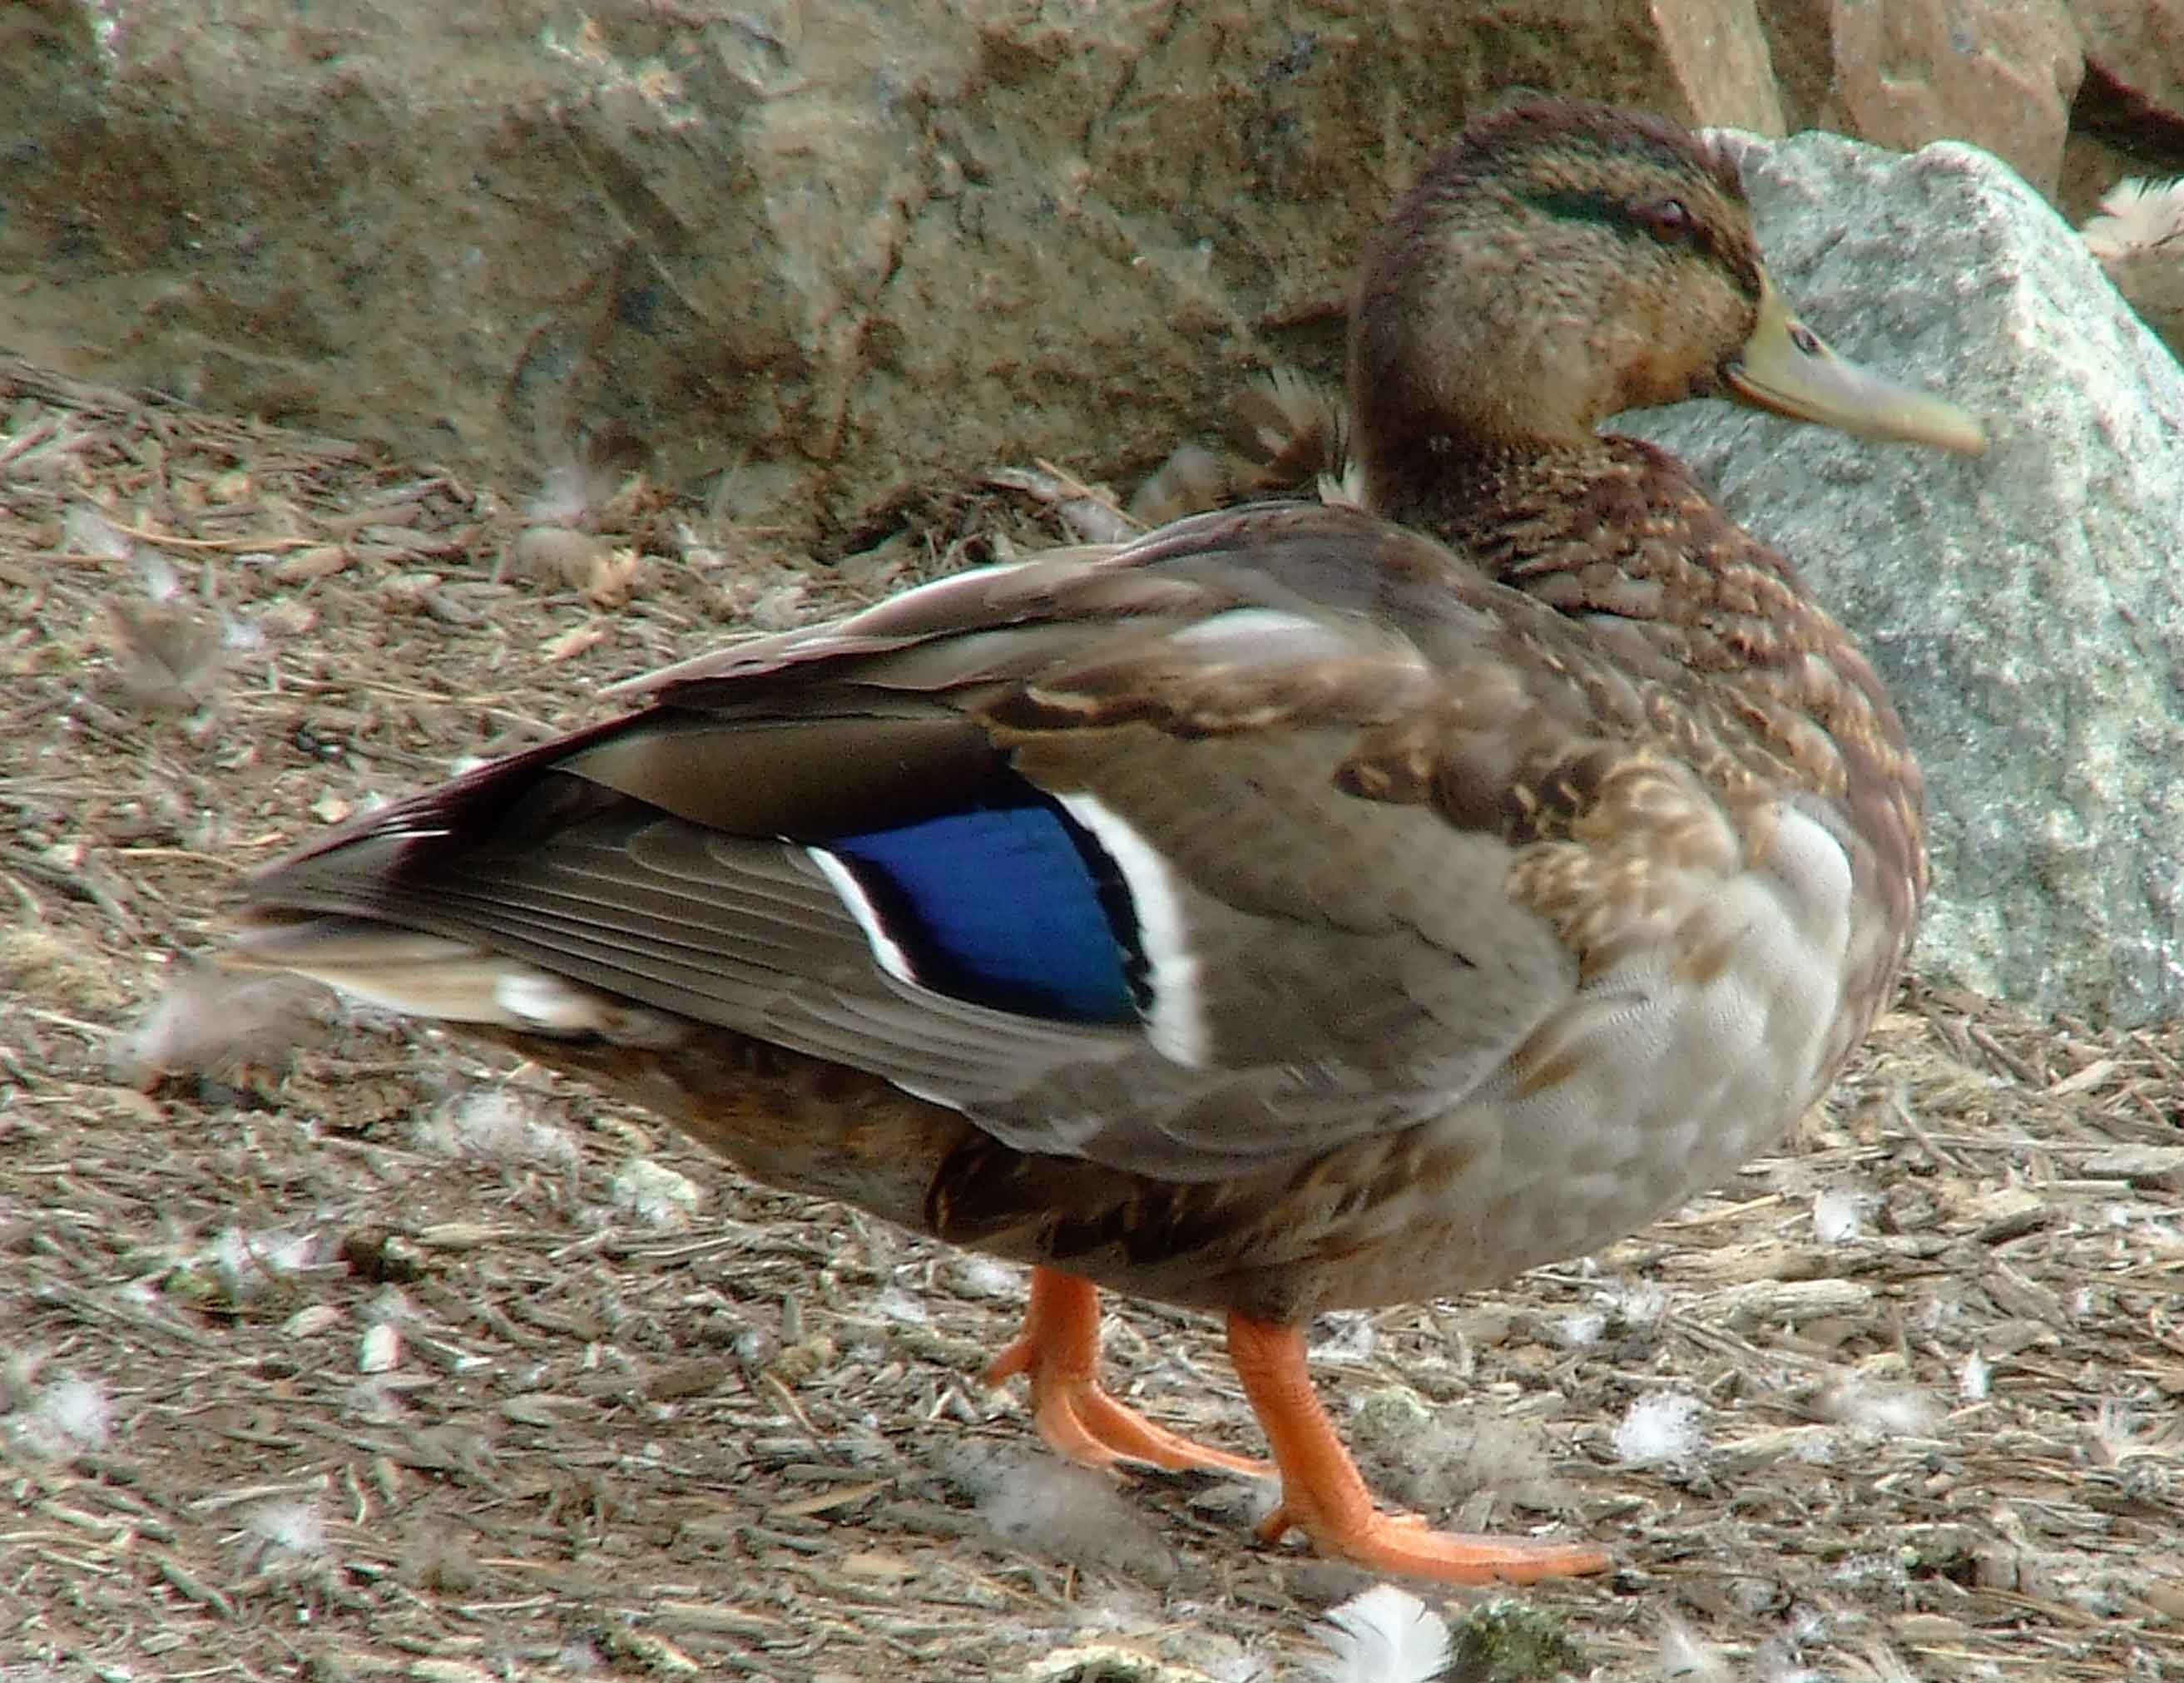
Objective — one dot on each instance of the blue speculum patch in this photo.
(1014, 906)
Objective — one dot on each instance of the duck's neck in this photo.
(1616, 533)
(1467, 487)
(1601, 525)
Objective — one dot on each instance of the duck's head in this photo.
(1560, 262)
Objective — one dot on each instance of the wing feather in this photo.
(1208, 688)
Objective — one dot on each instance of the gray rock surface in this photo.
(2026, 608)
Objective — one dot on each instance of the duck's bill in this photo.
(1788, 369)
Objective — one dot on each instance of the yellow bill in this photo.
(1788, 369)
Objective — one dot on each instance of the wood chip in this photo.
(578, 640)
(380, 1349)
(2158, 1168)
(321, 560)
(848, 1496)
(310, 1321)
(1770, 1301)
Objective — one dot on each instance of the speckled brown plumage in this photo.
(1722, 663)
(1301, 907)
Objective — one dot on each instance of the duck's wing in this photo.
(1190, 857)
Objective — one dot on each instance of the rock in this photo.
(840, 251)
(2137, 46)
(2000, 74)
(2026, 608)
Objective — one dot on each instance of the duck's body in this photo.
(1381, 1056)
(1298, 908)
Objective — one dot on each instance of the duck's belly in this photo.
(1661, 1110)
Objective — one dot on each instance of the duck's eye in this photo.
(1668, 219)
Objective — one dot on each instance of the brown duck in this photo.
(1298, 908)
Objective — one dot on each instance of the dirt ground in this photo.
(386, 1359)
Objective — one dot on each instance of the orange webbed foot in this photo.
(1403, 1543)
(1059, 1350)
(1324, 1497)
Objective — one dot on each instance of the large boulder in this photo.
(2027, 607)
(2137, 47)
(839, 251)
(2000, 74)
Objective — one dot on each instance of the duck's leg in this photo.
(1324, 1497)
(1059, 1348)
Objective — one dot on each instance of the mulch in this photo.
(340, 1349)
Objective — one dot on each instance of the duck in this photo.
(1301, 907)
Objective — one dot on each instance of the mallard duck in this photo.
(1297, 908)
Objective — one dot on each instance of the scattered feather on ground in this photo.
(1385, 1634)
